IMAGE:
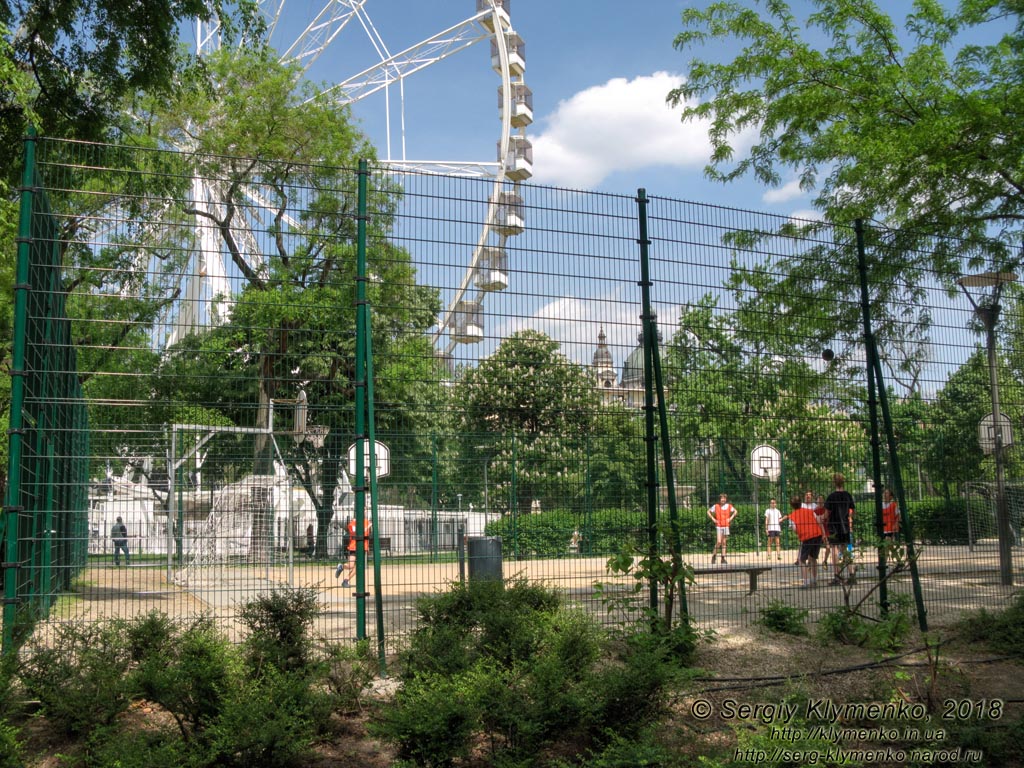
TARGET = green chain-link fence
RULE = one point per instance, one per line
(191, 365)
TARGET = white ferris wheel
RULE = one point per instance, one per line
(391, 72)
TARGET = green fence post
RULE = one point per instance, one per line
(371, 424)
(433, 502)
(9, 531)
(894, 463)
(360, 414)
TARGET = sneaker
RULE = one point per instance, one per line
(713, 559)
(338, 570)
(836, 581)
(723, 560)
(344, 583)
(806, 584)
(778, 557)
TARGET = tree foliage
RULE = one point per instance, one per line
(72, 68)
(539, 405)
(734, 382)
(953, 455)
(913, 130)
(906, 126)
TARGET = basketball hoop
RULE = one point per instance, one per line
(766, 463)
(316, 435)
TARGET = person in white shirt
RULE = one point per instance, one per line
(773, 527)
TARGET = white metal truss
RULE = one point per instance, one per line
(208, 285)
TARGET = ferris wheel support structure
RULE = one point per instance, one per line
(491, 21)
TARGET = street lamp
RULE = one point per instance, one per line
(987, 312)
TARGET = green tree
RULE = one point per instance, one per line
(953, 455)
(735, 382)
(71, 68)
(538, 405)
(912, 137)
(281, 168)
(902, 125)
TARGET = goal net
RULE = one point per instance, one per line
(982, 528)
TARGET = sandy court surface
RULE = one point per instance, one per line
(953, 579)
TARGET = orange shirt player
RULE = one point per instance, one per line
(721, 515)
(890, 515)
(811, 533)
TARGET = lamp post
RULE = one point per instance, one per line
(987, 312)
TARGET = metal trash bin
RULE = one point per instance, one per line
(484, 555)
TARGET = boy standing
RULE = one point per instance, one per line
(773, 527)
(721, 515)
(839, 509)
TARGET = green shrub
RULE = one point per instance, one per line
(477, 619)
(639, 751)
(150, 635)
(81, 675)
(547, 534)
(270, 721)
(524, 674)
(349, 670)
(186, 671)
(117, 747)
(279, 625)
(779, 616)
(1000, 630)
(628, 692)
(937, 520)
(885, 634)
(10, 747)
(432, 719)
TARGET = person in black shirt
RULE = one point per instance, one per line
(839, 510)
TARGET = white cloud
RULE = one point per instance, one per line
(785, 193)
(575, 323)
(805, 214)
(623, 125)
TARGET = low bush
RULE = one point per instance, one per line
(279, 626)
(884, 634)
(349, 670)
(937, 520)
(10, 747)
(271, 721)
(80, 675)
(432, 719)
(118, 747)
(1001, 630)
(476, 619)
(526, 673)
(186, 670)
(783, 618)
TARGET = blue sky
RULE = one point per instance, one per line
(599, 71)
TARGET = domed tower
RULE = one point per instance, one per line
(631, 383)
(604, 368)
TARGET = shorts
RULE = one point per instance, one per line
(774, 534)
(809, 549)
(889, 535)
(722, 530)
(838, 535)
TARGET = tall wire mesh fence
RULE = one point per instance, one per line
(203, 378)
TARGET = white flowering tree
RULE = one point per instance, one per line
(536, 407)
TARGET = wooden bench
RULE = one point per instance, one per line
(753, 571)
